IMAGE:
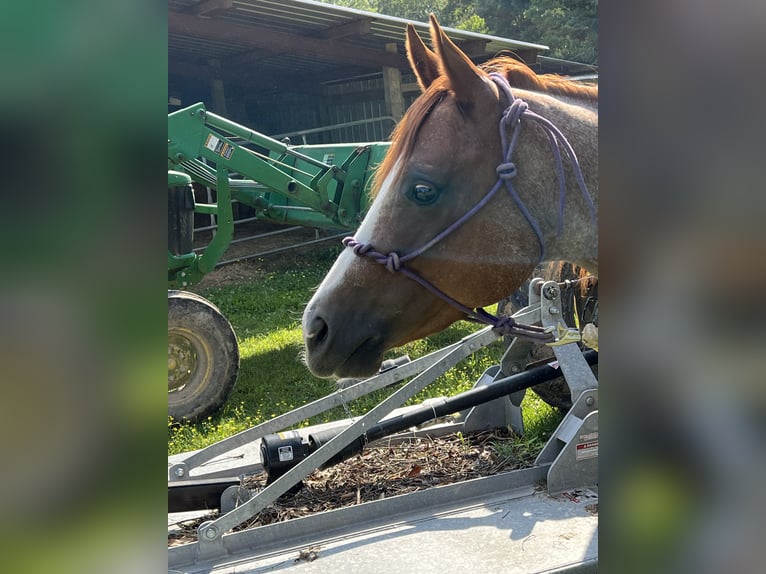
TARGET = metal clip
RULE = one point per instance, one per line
(563, 336)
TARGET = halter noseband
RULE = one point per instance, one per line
(506, 170)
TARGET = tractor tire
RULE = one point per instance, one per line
(203, 357)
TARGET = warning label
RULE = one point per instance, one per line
(211, 142)
(285, 453)
(222, 148)
(585, 450)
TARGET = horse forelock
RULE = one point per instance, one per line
(405, 133)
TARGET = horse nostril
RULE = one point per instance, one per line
(318, 330)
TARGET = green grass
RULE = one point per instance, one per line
(272, 380)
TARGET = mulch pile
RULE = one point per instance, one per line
(380, 472)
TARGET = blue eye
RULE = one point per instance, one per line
(423, 194)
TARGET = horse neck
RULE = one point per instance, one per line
(577, 241)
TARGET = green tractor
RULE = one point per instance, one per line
(320, 186)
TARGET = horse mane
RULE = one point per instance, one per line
(519, 76)
(564, 271)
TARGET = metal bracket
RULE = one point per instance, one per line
(233, 497)
(572, 451)
(578, 374)
(501, 412)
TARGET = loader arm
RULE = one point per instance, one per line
(323, 186)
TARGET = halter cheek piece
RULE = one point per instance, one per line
(506, 171)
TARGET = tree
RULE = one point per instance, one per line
(451, 13)
(366, 5)
(568, 27)
(507, 18)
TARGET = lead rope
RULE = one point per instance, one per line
(504, 326)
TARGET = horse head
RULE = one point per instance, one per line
(442, 236)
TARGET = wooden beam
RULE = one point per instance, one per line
(392, 87)
(473, 47)
(529, 57)
(248, 57)
(359, 27)
(411, 87)
(217, 93)
(282, 42)
(243, 76)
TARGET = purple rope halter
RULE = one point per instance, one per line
(511, 118)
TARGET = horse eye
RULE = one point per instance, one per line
(423, 194)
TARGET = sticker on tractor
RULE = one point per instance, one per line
(227, 150)
(222, 148)
(212, 143)
(285, 453)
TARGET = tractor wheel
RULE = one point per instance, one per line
(203, 357)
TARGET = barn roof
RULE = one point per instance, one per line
(308, 40)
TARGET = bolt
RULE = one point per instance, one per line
(589, 401)
(553, 310)
(179, 472)
(515, 368)
(551, 292)
(211, 533)
(184, 284)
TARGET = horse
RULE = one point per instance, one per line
(454, 224)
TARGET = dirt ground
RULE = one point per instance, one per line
(382, 471)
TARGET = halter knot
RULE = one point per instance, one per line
(506, 170)
(504, 326)
(512, 114)
(358, 247)
(392, 262)
(507, 326)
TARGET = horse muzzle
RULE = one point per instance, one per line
(343, 352)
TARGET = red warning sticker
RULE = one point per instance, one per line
(585, 450)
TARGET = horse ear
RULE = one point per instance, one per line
(467, 81)
(424, 62)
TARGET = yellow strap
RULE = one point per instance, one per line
(564, 336)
